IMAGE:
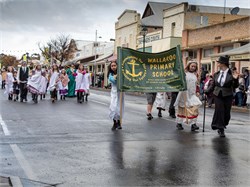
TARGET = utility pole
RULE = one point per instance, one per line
(224, 15)
(95, 45)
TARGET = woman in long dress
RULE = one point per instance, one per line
(187, 101)
(72, 83)
(114, 108)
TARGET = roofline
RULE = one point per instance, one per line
(127, 10)
(222, 23)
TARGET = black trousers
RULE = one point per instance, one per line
(23, 90)
(171, 109)
(222, 112)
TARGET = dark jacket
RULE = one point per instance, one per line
(23, 76)
(227, 89)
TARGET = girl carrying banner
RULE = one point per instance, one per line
(187, 101)
(114, 108)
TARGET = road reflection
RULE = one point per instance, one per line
(117, 150)
(223, 170)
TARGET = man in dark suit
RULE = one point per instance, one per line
(23, 75)
(222, 86)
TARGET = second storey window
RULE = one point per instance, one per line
(207, 52)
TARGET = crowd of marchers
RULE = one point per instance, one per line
(68, 81)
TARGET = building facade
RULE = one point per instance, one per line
(218, 38)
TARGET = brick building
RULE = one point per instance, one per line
(202, 43)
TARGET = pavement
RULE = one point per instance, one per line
(234, 108)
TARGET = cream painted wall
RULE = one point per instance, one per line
(179, 25)
(127, 29)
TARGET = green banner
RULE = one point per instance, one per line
(150, 72)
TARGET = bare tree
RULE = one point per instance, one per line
(57, 49)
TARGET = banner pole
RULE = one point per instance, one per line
(204, 114)
(121, 98)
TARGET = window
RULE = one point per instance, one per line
(207, 52)
(192, 54)
(173, 29)
(226, 48)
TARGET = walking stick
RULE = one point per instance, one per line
(204, 113)
(185, 105)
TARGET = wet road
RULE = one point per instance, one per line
(70, 144)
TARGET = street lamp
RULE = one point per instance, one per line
(144, 32)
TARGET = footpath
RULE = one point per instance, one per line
(234, 108)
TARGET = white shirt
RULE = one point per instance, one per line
(224, 76)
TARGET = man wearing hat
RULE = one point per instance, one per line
(23, 74)
(222, 86)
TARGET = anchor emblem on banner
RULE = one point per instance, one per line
(133, 74)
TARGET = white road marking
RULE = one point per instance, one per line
(16, 182)
(100, 103)
(23, 162)
(4, 126)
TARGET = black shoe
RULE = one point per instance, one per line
(114, 126)
(149, 116)
(194, 127)
(172, 116)
(159, 114)
(119, 125)
(26, 99)
(179, 126)
(21, 100)
(221, 133)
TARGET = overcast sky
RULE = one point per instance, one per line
(24, 23)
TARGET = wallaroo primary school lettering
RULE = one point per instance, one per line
(150, 72)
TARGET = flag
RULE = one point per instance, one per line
(150, 72)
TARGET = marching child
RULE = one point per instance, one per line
(53, 82)
(114, 108)
(34, 82)
(80, 86)
(63, 84)
(43, 86)
(9, 83)
(15, 86)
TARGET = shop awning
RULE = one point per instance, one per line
(240, 53)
